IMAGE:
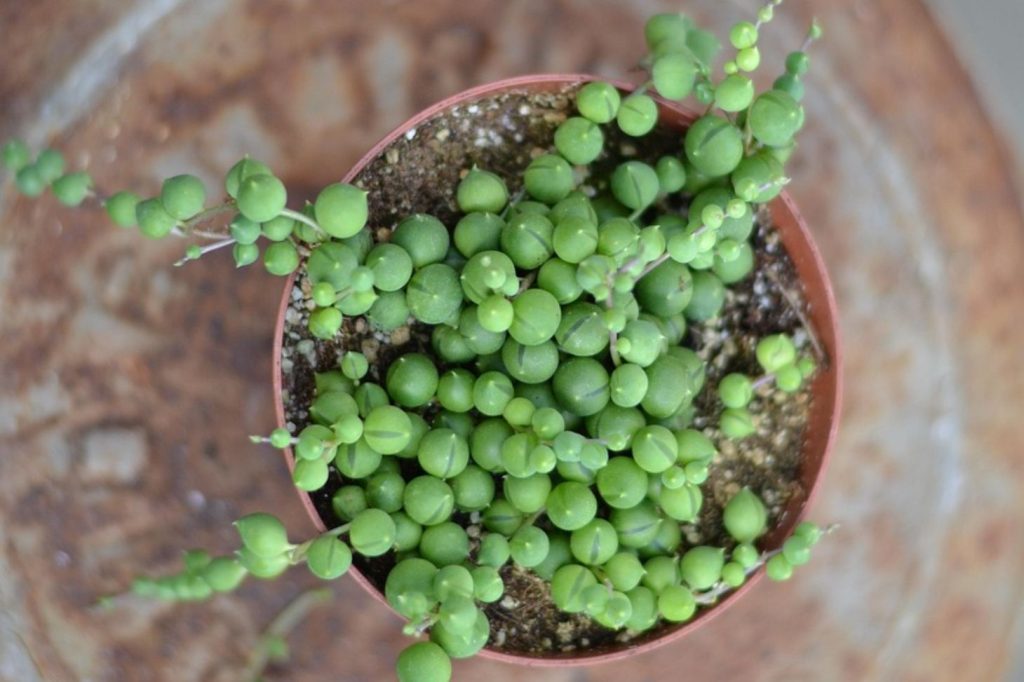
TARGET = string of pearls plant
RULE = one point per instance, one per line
(558, 401)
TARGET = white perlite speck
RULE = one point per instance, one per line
(114, 455)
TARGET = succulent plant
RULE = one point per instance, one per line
(555, 402)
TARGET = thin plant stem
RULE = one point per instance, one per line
(512, 203)
(179, 232)
(771, 4)
(190, 227)
(781, 182)
(96, 196)
(748, 136)
(207, 235)
(335, 532)
(809, 40)
(343, 294)
(652, 265)
(424, 625)
(299, 552)
(711, 595)
(266, 439)
(283, 624)
(207, 214)
(819, 349)
(205, 250)
(628, 265)
(613, 336)
(527, 281)
(532, 518)
(305, 220)
(109, 602)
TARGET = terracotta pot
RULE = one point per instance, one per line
(826, 387)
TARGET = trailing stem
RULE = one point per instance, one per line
(272, 642)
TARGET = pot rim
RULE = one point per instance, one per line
(828, 386)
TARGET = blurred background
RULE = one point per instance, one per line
(127, 387)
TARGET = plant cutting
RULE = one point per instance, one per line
(554, 404)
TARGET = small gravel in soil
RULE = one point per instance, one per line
(418, 173)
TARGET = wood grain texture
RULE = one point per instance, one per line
(127, 387)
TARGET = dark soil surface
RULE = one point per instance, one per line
(419, 173)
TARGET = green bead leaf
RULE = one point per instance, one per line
(673, 74)
(579, 140)
(183, 196)
(745, 517)
(261, 197)
(483, 191)
(341, 210)
(263, 534)
(424, 662)
(328, 558)
(72, 188)
(598, 101)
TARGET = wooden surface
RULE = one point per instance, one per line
(127, 387)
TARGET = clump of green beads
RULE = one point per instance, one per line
(555, 408)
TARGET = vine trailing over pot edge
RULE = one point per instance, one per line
(571, 308)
